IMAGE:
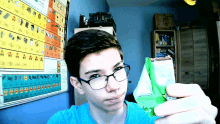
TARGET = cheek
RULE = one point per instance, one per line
(95, 95)
(124, 85)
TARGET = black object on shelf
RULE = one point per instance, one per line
(101, 19)
(83, 22)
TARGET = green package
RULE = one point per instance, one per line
(159, 91)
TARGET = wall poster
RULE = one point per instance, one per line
(32, 38)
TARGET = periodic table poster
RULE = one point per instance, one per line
(32, 39)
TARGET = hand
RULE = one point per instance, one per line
(194, 107)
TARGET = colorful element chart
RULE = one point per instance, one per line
(31, 50)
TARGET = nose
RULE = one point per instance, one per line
(112, 84)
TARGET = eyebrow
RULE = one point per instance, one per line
(98, 70)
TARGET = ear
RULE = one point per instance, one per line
(76, 84)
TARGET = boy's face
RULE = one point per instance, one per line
(104, 63)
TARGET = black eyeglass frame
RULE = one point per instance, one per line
(88, 81)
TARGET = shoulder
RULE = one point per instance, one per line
(136, 114)
(68, 116)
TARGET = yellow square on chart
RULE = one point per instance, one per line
(5, 19)
(59, 7)
(32, 30)
(10, 40)
(19, 41)
(42, 34)
(3, 41)
(55, 5)
(37, 47)
(2, 3)
(25, 28)
(13, 24)
(15, 6)
(20, 26)
(24, 61)
(41, 65)
(29, 12)
(62, 21)
(44, 21)
(38, 19)
(64, 11)
(25, 43)
(34, 15)
(10, 58)
(23, 10)
(62, 42)
(41, 48)
(2, 58)
(30, 61)
(57, 18)
(18, 60)
(31, 46)
(8, 5)
(36, 64)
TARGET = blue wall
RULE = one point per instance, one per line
(38, 112)
(134, 27)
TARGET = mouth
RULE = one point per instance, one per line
(115, 99)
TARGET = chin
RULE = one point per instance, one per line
(116, 106)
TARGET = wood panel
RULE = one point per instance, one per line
(200, 57)
(187, 60)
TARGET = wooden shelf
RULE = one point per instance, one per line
(165, 46)
(171, 33)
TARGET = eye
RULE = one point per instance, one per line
(118, 68)
(94, 76)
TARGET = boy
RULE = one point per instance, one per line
(95, 60)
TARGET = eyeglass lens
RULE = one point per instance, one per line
(120, 75)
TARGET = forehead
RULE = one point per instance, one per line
(102, 60)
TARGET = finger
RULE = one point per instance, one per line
(183, 90)
(198, 116)
(183, 105)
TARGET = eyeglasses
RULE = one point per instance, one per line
(98, 82)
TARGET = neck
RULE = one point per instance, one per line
(104, 117)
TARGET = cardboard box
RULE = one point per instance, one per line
(164, 22)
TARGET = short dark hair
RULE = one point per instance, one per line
(86, 42)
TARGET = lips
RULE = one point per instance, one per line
(115, 99)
